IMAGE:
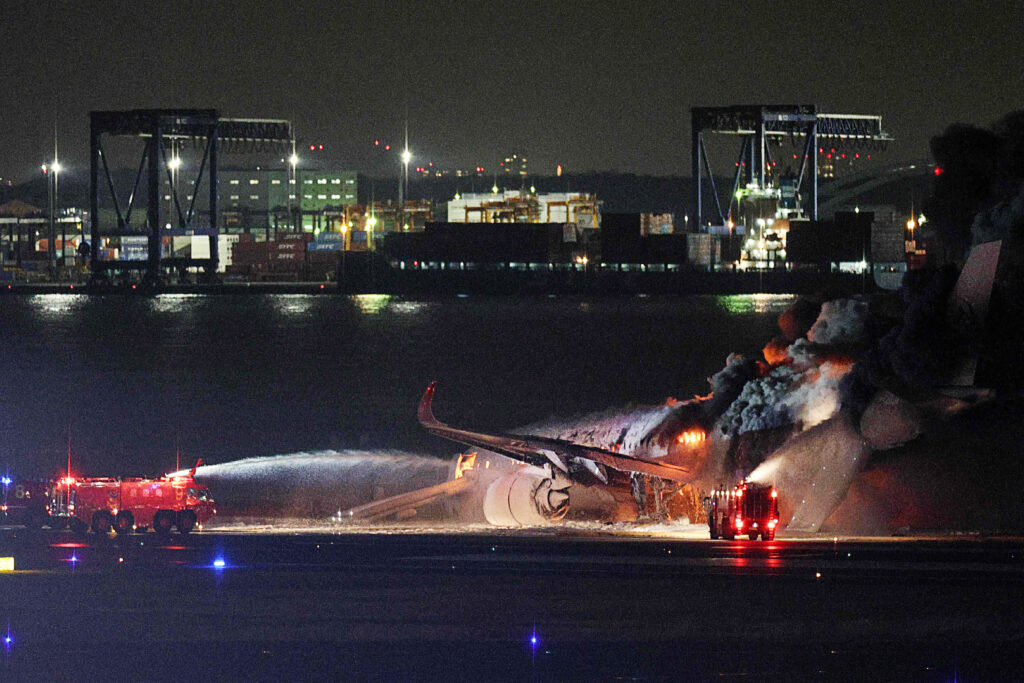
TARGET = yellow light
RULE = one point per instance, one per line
(911, 224)
(6, 564)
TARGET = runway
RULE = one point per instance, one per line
(391, 603)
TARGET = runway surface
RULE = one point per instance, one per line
(301, 602)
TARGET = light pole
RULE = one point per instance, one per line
(174, 163)
(51, 171)
(406, 158)
(293, 186)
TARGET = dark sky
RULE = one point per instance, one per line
(594, 86)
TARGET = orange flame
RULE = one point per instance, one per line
(692, 437)
(467, 461)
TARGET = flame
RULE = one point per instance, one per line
(467, 461)
(692, 437)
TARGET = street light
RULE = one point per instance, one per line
(51, 171)
(293, 186)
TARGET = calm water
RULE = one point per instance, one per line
(225, 377)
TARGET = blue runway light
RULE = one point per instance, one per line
(74, 558)
(219, 563)
(6, 481)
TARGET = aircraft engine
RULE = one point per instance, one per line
(527, 497)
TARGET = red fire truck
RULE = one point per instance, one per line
(32, 502)
(748, 509)
(127, 505)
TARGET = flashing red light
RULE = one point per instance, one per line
(869, 156)
(794, 156)
(376, 143)
(939, 170)
(430, 163)
(844, 156)
(856, 156)
(737, 164)
(387, 148)
(322, 286)
(833, 150)
(133, 286)
(821, 150)
(312, 147)
(775, 494)
(828, 156)
(739, 522)
(320, 147)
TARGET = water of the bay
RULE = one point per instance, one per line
(132, 379)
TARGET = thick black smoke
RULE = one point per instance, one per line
(980, 182)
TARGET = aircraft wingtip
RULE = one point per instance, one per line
(426, 412)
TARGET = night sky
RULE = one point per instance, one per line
(592, 86)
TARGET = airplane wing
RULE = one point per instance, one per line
(540, 450)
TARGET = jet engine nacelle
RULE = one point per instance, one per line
(527, 497)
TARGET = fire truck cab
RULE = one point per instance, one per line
(32, 503)
(127, 505)
(748, 509)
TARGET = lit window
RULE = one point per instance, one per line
(335, 181)
(235, 181)
(291, 196)
(307, 196)
(235, 197)
(307, 181)
(350, 181)
(321, 181)
(321, 196)
(254, 196)
(335, 196)
(254, 181)
(275, 182)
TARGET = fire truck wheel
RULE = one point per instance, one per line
(101, 522)
(186, 521)
(124, 522)
(768, 536)
(58, 523)
(162, 522)
(729, 535)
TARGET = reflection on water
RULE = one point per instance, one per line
(174, 303)
(372, 304)
(293, 304)
(408, 307)
(755, 303)
(56, 305)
